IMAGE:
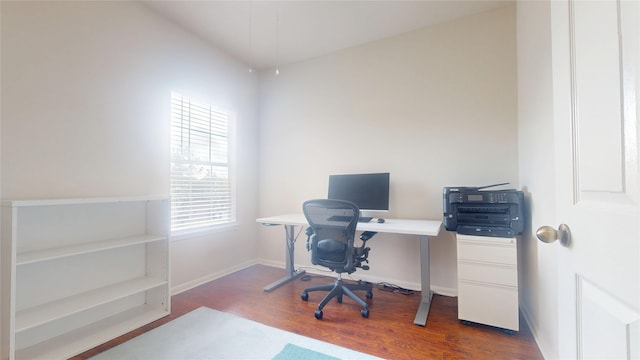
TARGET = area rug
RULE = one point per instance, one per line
(210, 334)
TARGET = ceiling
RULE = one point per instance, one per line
(267, 34)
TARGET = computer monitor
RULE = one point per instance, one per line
(369, 191)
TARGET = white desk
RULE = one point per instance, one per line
(422, 228)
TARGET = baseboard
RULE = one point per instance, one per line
(444, 291)
(210, 277)
(534, 331)
(272, 263)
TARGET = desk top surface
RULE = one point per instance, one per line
(396, 226)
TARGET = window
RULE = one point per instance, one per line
(201, 187)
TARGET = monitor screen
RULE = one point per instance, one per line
(368, 191)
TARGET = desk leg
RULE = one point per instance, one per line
(425, 280)
(291, 272)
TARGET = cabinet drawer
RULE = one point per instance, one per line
(488, 273)
(500, 252)
(490, 305)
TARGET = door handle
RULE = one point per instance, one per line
(548, 234)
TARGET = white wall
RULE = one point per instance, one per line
(85, 112)
(537, 261)
(435, 107)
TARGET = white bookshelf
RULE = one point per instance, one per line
(79, 272)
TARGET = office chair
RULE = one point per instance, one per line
(330, 238)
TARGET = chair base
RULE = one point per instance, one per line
(337, 290)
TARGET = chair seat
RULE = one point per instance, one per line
(331, 250)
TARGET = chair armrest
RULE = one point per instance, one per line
(366, 235)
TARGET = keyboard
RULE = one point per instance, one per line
(362, 219)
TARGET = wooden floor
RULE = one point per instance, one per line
(388, 333)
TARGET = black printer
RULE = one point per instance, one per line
(476, 211)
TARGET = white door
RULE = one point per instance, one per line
(595, 84)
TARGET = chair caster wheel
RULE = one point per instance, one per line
(339, 299)
(369, 295)
(304, 296)
(318, 314)
(365, 313)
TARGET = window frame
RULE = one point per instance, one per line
(208, 227)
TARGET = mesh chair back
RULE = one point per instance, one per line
(334, 225)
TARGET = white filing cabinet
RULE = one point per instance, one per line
(79, 272)
(488, 281)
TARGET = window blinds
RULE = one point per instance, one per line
(200, 185)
